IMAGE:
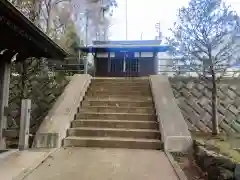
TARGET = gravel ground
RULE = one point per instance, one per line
(189, 167)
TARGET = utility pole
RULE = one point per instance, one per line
(86, 42)
(86, 33)
(126, 19)
(141, 36)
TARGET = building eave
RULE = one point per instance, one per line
(19, 34)
(117, 48)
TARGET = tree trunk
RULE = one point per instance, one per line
(49, 18)
(34, 14)
(215, 127)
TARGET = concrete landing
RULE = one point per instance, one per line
(104, 164)
(18, 164)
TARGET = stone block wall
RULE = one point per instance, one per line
(216, 166)
(43, 93)
(194, 99)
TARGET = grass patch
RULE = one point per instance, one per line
(226, 145)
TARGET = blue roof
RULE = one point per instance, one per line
(128, 42)
(135, 48)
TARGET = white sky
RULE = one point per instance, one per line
(143, 14)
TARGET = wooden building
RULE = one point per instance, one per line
(125, 58)
(20, 39)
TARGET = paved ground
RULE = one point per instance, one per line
(17, 164)
(104, 164)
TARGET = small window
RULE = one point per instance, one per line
(146, 54)
(112, 54)
(136, 54)
(102, 55)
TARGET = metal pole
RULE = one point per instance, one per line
(79, 62)
(126, 19)
(86, 33)
(86, 58)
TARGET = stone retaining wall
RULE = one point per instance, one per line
(194, 99)
(217, 167)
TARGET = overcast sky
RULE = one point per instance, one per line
(143, 14)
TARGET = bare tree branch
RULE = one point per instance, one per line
(204, 35)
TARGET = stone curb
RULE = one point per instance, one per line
(54, 126)
(174, 129)
(179, 172)
(34, 166)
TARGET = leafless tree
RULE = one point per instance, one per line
(205, 37)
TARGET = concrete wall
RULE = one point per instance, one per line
(54, 127)
(174, 130)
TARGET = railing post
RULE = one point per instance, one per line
(24, 124)
(86, 65)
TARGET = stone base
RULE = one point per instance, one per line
(48, 140)
(181, 144)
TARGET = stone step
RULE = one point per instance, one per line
(119, 88)
(117, 103)
(115, 109)
(140, 83)
(110, 142)
(116, 116)
(114, 132)
(116, 82)
(92, 92)
(121, 97)
(121, 79)
(115, 124)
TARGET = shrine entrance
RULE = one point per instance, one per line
(125, 58)
(124, 64)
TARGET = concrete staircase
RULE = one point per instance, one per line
(116, 113)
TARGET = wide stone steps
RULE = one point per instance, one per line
(115, 109)
(116, 113)
(143, 85)
(121, 79)
(117, 116)
(113, 142)
(104, 92)
(114, 132)
(117, 103)
(115, 124)
(122, 97)
(120, 88)
(119, 83)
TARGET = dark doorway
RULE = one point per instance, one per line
(124, 64)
